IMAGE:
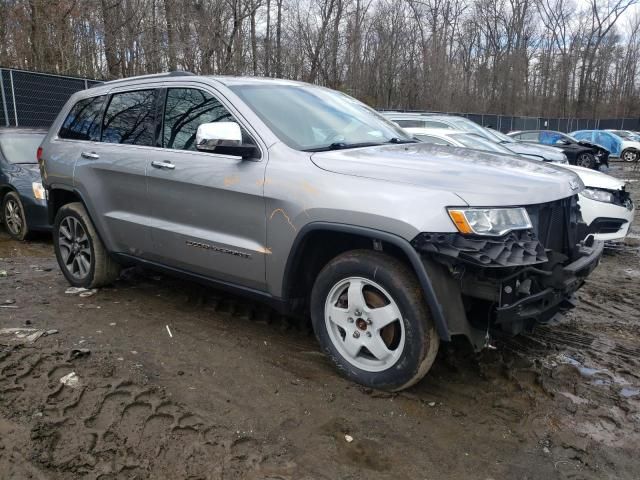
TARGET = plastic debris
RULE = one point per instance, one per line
(88, 293)
(71, 380)
(78, 353)
(169, 331)
(75, 290)
(25, 335)
(348, 438)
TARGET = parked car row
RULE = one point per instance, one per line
(311, 201)
(606, 205)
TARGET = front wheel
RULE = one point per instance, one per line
(81, 255)
(371, 319)
(586, 160)
(629, 156)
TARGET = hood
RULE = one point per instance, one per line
(479, 178)
(595, 179)
(552, 154)
(586, 143)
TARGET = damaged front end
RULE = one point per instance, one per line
(508, 283)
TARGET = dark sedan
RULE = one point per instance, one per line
(24, 205)
(578, 152)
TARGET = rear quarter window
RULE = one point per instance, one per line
(83, 121)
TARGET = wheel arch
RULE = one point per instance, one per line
(303, 264)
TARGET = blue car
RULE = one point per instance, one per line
(22, 197)
(628, 149)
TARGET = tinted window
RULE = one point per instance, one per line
(83, 121)
(20, 148)
(130, 118)
(185, 109)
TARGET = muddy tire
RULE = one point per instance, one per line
(81, 255)
(371, 319)
(586, 160)
(629, 155)
(13, 217)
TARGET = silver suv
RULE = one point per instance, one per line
(308, 199)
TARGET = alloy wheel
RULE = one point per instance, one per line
(585, 160)
(13, 217)
(630, 156)
(75, 248)
(364, 324)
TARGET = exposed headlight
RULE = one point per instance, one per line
(38, 191)
(599, 195)
(489, 221)
(564, 159)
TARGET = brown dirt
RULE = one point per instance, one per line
(239, 392)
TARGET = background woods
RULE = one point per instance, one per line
(523, 57)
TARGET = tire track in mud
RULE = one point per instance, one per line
(115, 427)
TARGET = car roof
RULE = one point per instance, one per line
(434, 131)
(227, 80)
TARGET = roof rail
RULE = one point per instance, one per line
(175, 73)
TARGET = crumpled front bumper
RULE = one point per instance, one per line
(557, 297)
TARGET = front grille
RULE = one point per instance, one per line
(556, 224)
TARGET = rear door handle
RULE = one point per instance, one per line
(164, 165)
(90, 155)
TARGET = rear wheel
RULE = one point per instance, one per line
(629, 156)
(81, 255)
(13, 216)
(371, 319)
(586, 160)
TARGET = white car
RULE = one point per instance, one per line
(606, 206)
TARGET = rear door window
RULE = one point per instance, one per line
(130, 118)
(83, 121)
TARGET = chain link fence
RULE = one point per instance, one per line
(30, 99)
(507, 123)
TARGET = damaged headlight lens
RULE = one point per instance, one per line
(599, 195)
(489, 221)
(38, 191)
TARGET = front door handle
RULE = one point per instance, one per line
(90, 155)
(167, 165)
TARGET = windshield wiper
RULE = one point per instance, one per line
(398, 141)
(341, 146)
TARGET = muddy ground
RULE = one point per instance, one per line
(239, 392)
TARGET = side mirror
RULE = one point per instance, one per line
(224, 138)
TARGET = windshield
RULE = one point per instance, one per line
(313, 118)
(471, 140)
(20, 148)
(501, 137)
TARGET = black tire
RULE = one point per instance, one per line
(13, 217)
(586, 160)
(102, 269)
(421, 340)
(629, 155)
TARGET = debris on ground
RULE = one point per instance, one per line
(71, 380)
(348, 438)
(79, 353)
(25, 335)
